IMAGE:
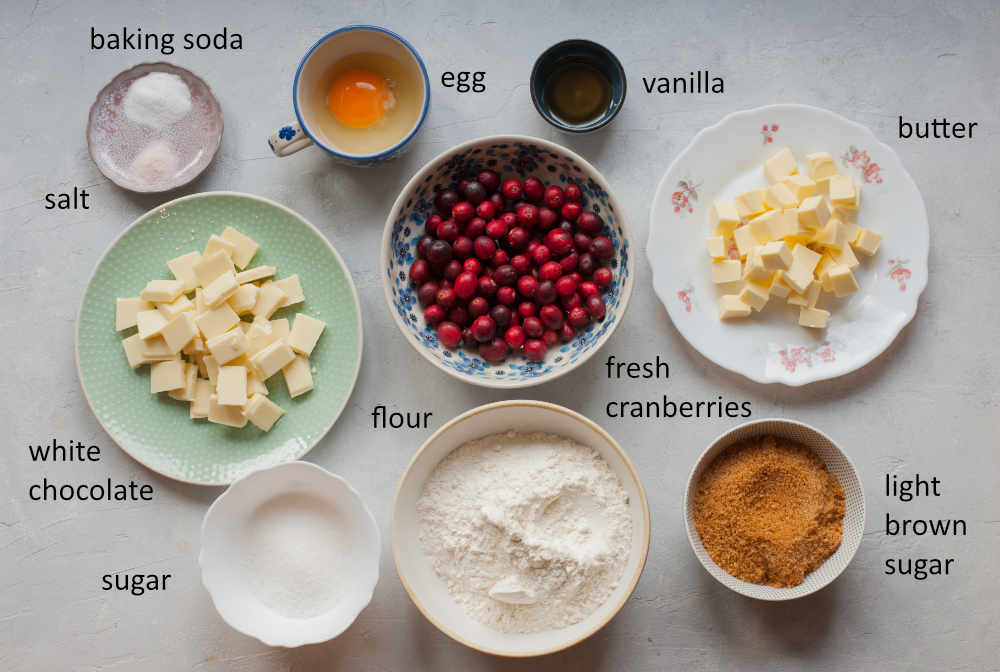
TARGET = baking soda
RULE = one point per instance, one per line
(157, 100)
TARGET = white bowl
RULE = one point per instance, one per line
(509, 155)
(224, 550)
(430, 593)
(837, 463)
(724, 160)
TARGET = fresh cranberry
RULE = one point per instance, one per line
(493, 352)
(445, 283)
(497, 200)
(462, 183)
(445, 200)
(489, 179)
(448, 230)
(427, 294)
(545, 293)
(473, 192)
(462, 213)
(571, 211)
(541, 254)
(515, 337)
(526, 286)
(434, 314)
(565, 286)
(484, 328)
(510, 219)
(527, 216)
(571, 301)
(460, 316)
(551, 316)
(573, 192)
(446, 298)
(533, 326)
(505, 275)
(547, 218)
(462, 247)
(511, 189)
(587, 263)
(578, 317)
(590, 223)
(507, 295)
(569, 262)
(502, 315)
(521, 263)
(602, 276)
(487, 286)
(582, 241)
(550, 336)
(468, 340)
(602, 247)
(577, 277)
(484, 247)
(475, 228)
(485, 210)
(424, 245)
(595, 306)
(478, 306)
(515, 320)
(526, 309)
(472, 265)
(466, 285)
(566, 333)
(554, 197)
(589, 288)
(550, 270)
(534, 190)
(567, 226)
(534, 350)
(439, 252)
(420, 271)
(496, 229)
(499, 258)
(452, 269)
(518, 238)
(432, 224)
(559, 241)
(449, 334)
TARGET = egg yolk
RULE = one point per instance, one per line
(359, 98)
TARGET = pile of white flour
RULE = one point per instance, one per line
(530, 531)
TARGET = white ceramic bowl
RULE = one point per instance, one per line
(837, 463)
(724, 160)
(509, 155)
(224, 548)
(430, 593)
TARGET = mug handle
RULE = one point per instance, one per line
(288, 139)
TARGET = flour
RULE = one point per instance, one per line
(529, 531)
(157, 100)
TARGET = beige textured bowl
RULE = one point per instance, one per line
(837, 463)
(430, 593)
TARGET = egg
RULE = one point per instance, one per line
(360, 98)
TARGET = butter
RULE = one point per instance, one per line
(844, 193)
(842, 280)
(716, 246)
(730, 307)
(726, 270)
(867, 242)
(780, 166)
(755, 271)
(778, 286)
(801, 186)
(751, 203)
(813, 213)
(262, 412)
(723, 218)
(754, 295)
(776, 256)
(820, 165)
(244, 247)
(813, 317)
(780, 197)
(745, 239)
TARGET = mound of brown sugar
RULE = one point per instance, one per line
(768, 511)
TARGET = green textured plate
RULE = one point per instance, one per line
(155, 429)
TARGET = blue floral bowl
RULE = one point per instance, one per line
(509, 155)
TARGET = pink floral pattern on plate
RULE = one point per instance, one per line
(870, 171)
(684, 296)
(768, 131)
(899, 272)
(793, 357)
(682, 199)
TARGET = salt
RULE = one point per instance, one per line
(157, 162)
(158, 99)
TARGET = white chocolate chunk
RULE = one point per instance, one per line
(166, 376)
(150, 323)
(183, 269)
(215, 322)
(126, 311)
(228, 346)
(255, 274)
(243, 299)
(231, 388)
(244, 247)
(269, 360)
(212, 266)
(181, 304)
(161, 291)
(231, 416)
(298, 376)
(269, 299)
(220, 289)
(186, 393)
(305, 333)
(133, 351)
(202, 399)
(292, 288)
(179, 332)
(155, 349)
(262, 412)
(218, 244)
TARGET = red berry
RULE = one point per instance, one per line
(587, 263)
(445, 200)
(462, 247)
(541, 254)
(520, 263)
(462, 184)
(582, 241)
(489, 179)
(571, 301)
(589, 288)
(578, 317)
(487, 286)
(468, 339)
(462, 212)
(550, 270)
(589, 223)
(602, 276)
(505, 275)
(484, 247)
(446, 298)
(554, 197)
(427, 294)
(534, 190)
(595, 306)
(449, 334)
(466, 285)
(573, 192)
(502, 315)
(432, 224)
(485, 210)
(559, 241)
(448, 230)
(510, 219)
(569, 262)
(496, 229)
(511, 189)
(459, 315)
(499, 258)
(571, 211)
(526, 309)
(547, 218)
(518, 238)
(550, 336)
(484, 328)
(424, 245)
(602, 247)
(545, 293)
(478, 306)
(526, 286)
(494, 352)
(533, 326)
(527, 216)
(566, 333)
(507, 296)
(475, 228)
(472, 265)
(565, 286)
(515, 337)
(551, 317)
(420, 272)
(498, 201)
(534, 350)
(577, 278)
(434, 314)
(452, 269)
(473, 192)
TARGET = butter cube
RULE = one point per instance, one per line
(262, 412)
(150, 323)
(179, 332)
(801, 186)
(844, 193)
(166, 376)
(776, 256)
(813, 317)
(745, 239)
(846, 257)
(244, 247)
(161, 291)
(820, 165)
(778, 286)
(202, 399)
(842, 280)
(243, 299)
(754, 295)
(850, 229)
(780, 166)
(716, 246)
(730, 307)
(723, 217)
(298, 377)
(755, 271)
(813, 213)
(784, 224)
(219, 244)
(220, 289)
(231, 416)
(231, 387)
(723, 270)
(779, 196)
(269, 299)
(228, 346)
(291, 287)
(269, 360)
(126, 311)
(306, 332)
(800, 274)
(751, 203)
(822, 268)
(760, 227)
(812, 295)
(867, 242)
(183, 269)
(831, 235)
(217, 321)
(823, 185)
(186, 393)
(181, 304)
(255, 274)
(212, 266)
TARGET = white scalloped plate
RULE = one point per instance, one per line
(770, 347)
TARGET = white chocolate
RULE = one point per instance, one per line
(305, 333)
(298, 376)
(244, 247)
(262, 412)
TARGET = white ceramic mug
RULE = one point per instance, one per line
(330, 49)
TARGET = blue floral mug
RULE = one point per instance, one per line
(327, 51)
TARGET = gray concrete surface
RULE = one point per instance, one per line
(930, 404)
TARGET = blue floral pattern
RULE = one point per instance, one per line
(286, 133)
(523, 160)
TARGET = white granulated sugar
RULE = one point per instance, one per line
(530, 531)
(157, 100)
(293, 555)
